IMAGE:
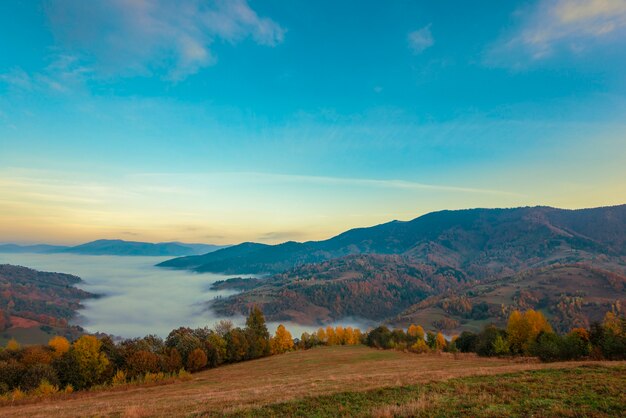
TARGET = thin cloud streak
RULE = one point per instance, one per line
(574, 26)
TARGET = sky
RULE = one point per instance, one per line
(230, 121)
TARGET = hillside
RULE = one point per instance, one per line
(37, 248)
(513, 252)
(368, 287)
(570, 295)
(31, 299)
(336, 377)
(481, 242)
(133, 248)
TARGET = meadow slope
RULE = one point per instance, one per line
(293, 377)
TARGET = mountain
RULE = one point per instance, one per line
(38, 248)
(569, 264)
(481, 242)
(120, 247)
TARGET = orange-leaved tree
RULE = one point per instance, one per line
(59, 345)
(523, 329)
(282, 341)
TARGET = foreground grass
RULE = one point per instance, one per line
(321, 376)
(582, 391)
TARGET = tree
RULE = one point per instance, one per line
(237, 346)
(215, 347)
(184, 341)
(59, 345)
(36, 374)
(5, 320)
(500, 346)
(331, 336)
(380, 338)
(612, 323)
(142, 362)
(416, 332)
(259, 336)
(523, 328)
(321, 336)
(282, 341)
(197, 360)
(440, 342)
(349, 336)
(419, 347)
(431, 340)
(467, 341)
(173, 361)
(91, 362)
(485, 344)
(13, 345)
(36, 354)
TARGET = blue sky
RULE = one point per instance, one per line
(270, 120)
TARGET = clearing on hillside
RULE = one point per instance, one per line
(292, 377)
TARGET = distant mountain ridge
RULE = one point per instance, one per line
(448, 270)
(480, 241)
(117, 247)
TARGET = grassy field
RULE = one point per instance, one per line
(332, 381)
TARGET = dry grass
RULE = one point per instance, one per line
(252, 384)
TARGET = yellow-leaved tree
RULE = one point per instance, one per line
(91, 361)
(523, 329)
(282, 341)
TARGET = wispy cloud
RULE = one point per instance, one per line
(135, 37)
(64, 74)
(550, 26)
(323, 180)
(421, 40)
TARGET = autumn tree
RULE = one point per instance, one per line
(197, 360)
(440, 342)
(331, 336)
(321, 336)
(90, 360)
(416, 331)
(36, 354)
(523, 329)
(142, 362)
(282, 341)
(59, 345)
(349, 336)
(13, 345)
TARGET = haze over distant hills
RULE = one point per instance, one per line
(531, 257)
(116, 247)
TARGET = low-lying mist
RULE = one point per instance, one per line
(138, 298)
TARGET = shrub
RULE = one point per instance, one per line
(419, 347)
(11, 373)
(119, 378)
(46, 388)
(36, 374)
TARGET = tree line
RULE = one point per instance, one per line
(527, 334)
(92, 362)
